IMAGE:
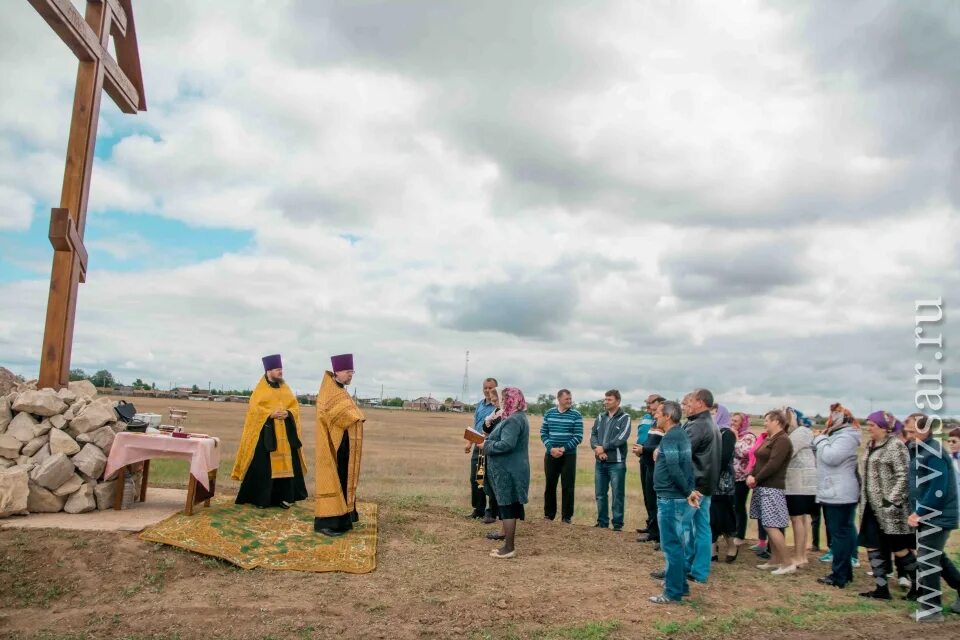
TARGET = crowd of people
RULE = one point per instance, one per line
(705, 473)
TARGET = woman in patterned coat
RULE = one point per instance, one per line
(884, 505)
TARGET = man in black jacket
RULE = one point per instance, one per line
(608, 439)
(705, 446)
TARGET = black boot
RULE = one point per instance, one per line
(882, 590)
(907, 566)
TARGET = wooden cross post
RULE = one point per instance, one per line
(88, 36)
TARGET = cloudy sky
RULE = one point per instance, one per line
(652, 196)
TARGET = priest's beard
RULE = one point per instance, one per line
(278, 380)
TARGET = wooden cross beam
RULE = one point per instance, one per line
(88, 36)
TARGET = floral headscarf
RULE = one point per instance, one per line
(513, 401)
(744, 424)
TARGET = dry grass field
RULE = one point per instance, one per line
(434, 578)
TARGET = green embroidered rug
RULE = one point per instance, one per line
(281, 539)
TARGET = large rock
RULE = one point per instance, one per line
(43, 428)
(14, 492)
(9, 446)
(60, 442)
(8, 381)
(40, 403)
(6, 415)
(33, 446)
(81, 501)
(92, 418)
(41, 455)
(22, 426)
(105, 492)
(102, 437)
(41, 500)
(68, 395)
(58, 422)
(90, 461)
(83, 388)
(53, 471)
(70, 486)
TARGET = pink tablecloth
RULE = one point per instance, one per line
(128, 448)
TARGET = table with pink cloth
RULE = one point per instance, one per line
(129, 448)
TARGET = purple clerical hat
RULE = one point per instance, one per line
(272, 362)
(342, 362)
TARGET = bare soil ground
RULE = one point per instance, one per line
(434, 577)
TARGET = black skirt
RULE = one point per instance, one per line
(872, 536)
(512, 511)
(258, 487)
(723, 517)
(801, 505)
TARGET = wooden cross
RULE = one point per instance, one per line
(88, 36)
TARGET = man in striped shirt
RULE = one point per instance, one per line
(561, 433)
(608, 439)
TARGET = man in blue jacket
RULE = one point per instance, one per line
(608, 439)
(933, 496)
(673, 481)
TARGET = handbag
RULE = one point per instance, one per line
(125, 411)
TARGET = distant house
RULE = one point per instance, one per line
(423, 404)
(454, 405)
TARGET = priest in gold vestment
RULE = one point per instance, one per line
(270, 462)
(339, 444)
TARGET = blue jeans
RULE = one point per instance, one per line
(842, 534)
(610, 475)
(674, 517)
(701, 547)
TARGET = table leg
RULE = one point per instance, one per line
(143, 482)
(191, 492)
(213, 478)
(118, 490)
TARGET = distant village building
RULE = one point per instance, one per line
(454, 405)
(423, 404)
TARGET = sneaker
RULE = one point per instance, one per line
(764, 555)
(855, 563)
(758, 547)
(658, 575)
(827, 557)
(955, 607)
(904, 582)
(618, 529)
(766, 566)
(566, 521)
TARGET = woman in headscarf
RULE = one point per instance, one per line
(508, 465)
(884, 505)
(740, 423)
(838, 490)
(801, 484)
(761, 547)
(723, 519)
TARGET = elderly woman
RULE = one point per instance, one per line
(740, 423)
(838, 490)
(768, 479)
(884, 505)
(801, 485)
(508, 465)
(723, 517)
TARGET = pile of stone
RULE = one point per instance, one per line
(53, 449)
